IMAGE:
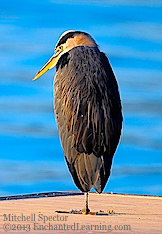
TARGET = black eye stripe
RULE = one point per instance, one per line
(70, 35)
(64, 38)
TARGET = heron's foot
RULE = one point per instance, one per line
(85, 211)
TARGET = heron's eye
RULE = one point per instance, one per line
(59, 49)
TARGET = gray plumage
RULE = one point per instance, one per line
(88, 114)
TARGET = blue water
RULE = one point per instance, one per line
(31, 158)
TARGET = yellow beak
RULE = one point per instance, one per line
(49, 65)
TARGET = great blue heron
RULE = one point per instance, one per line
(87, 109)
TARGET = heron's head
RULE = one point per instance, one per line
(66, 42)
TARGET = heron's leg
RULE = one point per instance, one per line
(86, 210)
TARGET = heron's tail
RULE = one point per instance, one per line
(104, 173)
(90, 171)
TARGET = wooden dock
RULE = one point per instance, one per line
(125, 214)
